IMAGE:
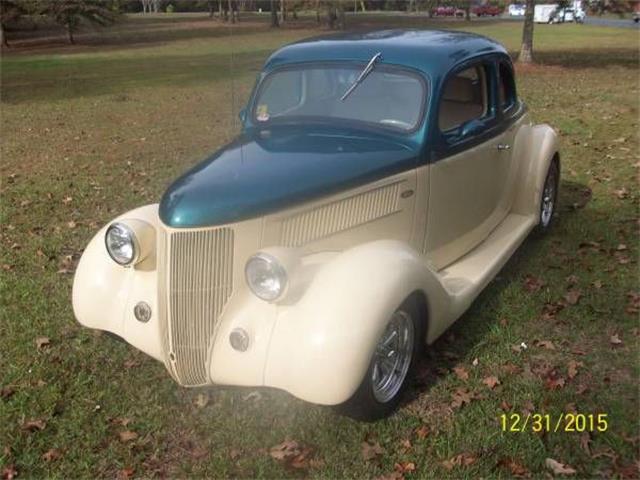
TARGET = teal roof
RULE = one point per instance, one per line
(433, 52)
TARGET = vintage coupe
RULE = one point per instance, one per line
(379, 183)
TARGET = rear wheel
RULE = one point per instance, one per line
(391, 367)
(549, 199)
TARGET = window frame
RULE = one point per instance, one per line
(510, 108)
(453, 136)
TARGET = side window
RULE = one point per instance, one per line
(464, 98)
(506, 87)
(285, 95)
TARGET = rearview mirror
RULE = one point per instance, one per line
(472, 127)
(242, 114)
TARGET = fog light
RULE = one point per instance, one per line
(142, 312)
(239, 339)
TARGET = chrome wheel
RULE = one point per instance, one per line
(548, 198)
(392, 357)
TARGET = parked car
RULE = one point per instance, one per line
(380, 181)
(517, 10)
(460, 12)
(444, 11)
(636, 16)
(487, 11)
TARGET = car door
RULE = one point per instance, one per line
(469, 174)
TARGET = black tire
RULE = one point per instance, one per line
(364, 405)
(545, 219)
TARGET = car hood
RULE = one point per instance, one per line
(265, 170)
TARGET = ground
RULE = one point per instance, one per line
(94, 130)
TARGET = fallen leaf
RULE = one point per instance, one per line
(126, 473)
(491, 382)
(234, 453)
(201, 400)
(554, 383)
(533, 284)
(67, 200)
(515, 468)
(548, 344)
(42, 342)
(461, 373)
(615, 339)
(127, 436)
(71, 224)
(51, 455)
(123, 421)
(371, 450)
(405, 467)
(422, 431)
(461, 460)
(475, 362)
(572, 296)
(6, 392)
(34, 425)
(9, 472)
(505, 406)
(558, 468)
(572, 368)
(572, 279)
(460, 397)
(597, 284)
(585, 440)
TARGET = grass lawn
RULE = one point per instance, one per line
(94, 130)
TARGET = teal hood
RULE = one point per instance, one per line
(263, 171)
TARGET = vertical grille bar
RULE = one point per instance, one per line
(196, 281)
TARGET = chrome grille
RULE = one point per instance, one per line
(197, 284)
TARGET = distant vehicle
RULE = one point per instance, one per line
(636, 17)
(517, 10)
(487, 11)
(459, 12)
(544, 13)
(443, 11)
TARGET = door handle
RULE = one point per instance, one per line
(503, 146)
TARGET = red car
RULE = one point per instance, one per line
(487, 10)
(443, 11)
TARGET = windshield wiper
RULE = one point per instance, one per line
(367, 70)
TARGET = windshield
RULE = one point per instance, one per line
(388, 97)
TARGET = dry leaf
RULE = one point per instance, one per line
(34, 425)
(475, 362)
(460, 397)
(572, 297)
(533, 284)
(548, 344)
(461, 373)
(422, 431)
(201, 400)
(6, 392)
(9, 472)
(554, 383)
(371, 450)
(127, 436)
(558, 468)
(572, 368)
(126, 473)
(585, 440)
(405, 467)
(491, 382)
(461, 460)
(42, 342)
(615, 339)
(51, 455)
(515, 468)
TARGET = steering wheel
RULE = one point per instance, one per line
(397, 123)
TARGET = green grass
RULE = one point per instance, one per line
(91, 131)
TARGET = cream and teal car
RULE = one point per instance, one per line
(379, 183)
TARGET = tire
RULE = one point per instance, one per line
(376, 398)
(549, 198)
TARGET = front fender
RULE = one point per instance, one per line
(542, 147)
(321, 347)
(104, 293)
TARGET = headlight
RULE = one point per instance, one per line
(122, 244)
(266, 277)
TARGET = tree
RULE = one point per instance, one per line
(274, 14)
(69, 13)
(526, 51)
(10, 11)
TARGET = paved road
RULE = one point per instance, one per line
(611, 22)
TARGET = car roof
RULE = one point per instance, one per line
(434, 52)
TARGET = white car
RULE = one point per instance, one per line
(517, 10)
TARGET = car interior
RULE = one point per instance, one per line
(464, 98)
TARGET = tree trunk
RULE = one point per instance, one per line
(526, 51)
(231, 12)
(210, 5)
(72, 40)
(318, 12)
(283, 11)
(467, 13)
(274, 14)
(341, 16)
(5, 42)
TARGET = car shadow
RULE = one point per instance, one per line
(473, 328)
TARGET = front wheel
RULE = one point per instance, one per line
(391, 367)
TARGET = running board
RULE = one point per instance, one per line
(468, 276)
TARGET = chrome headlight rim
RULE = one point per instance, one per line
(277, 269)
(135, 245)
